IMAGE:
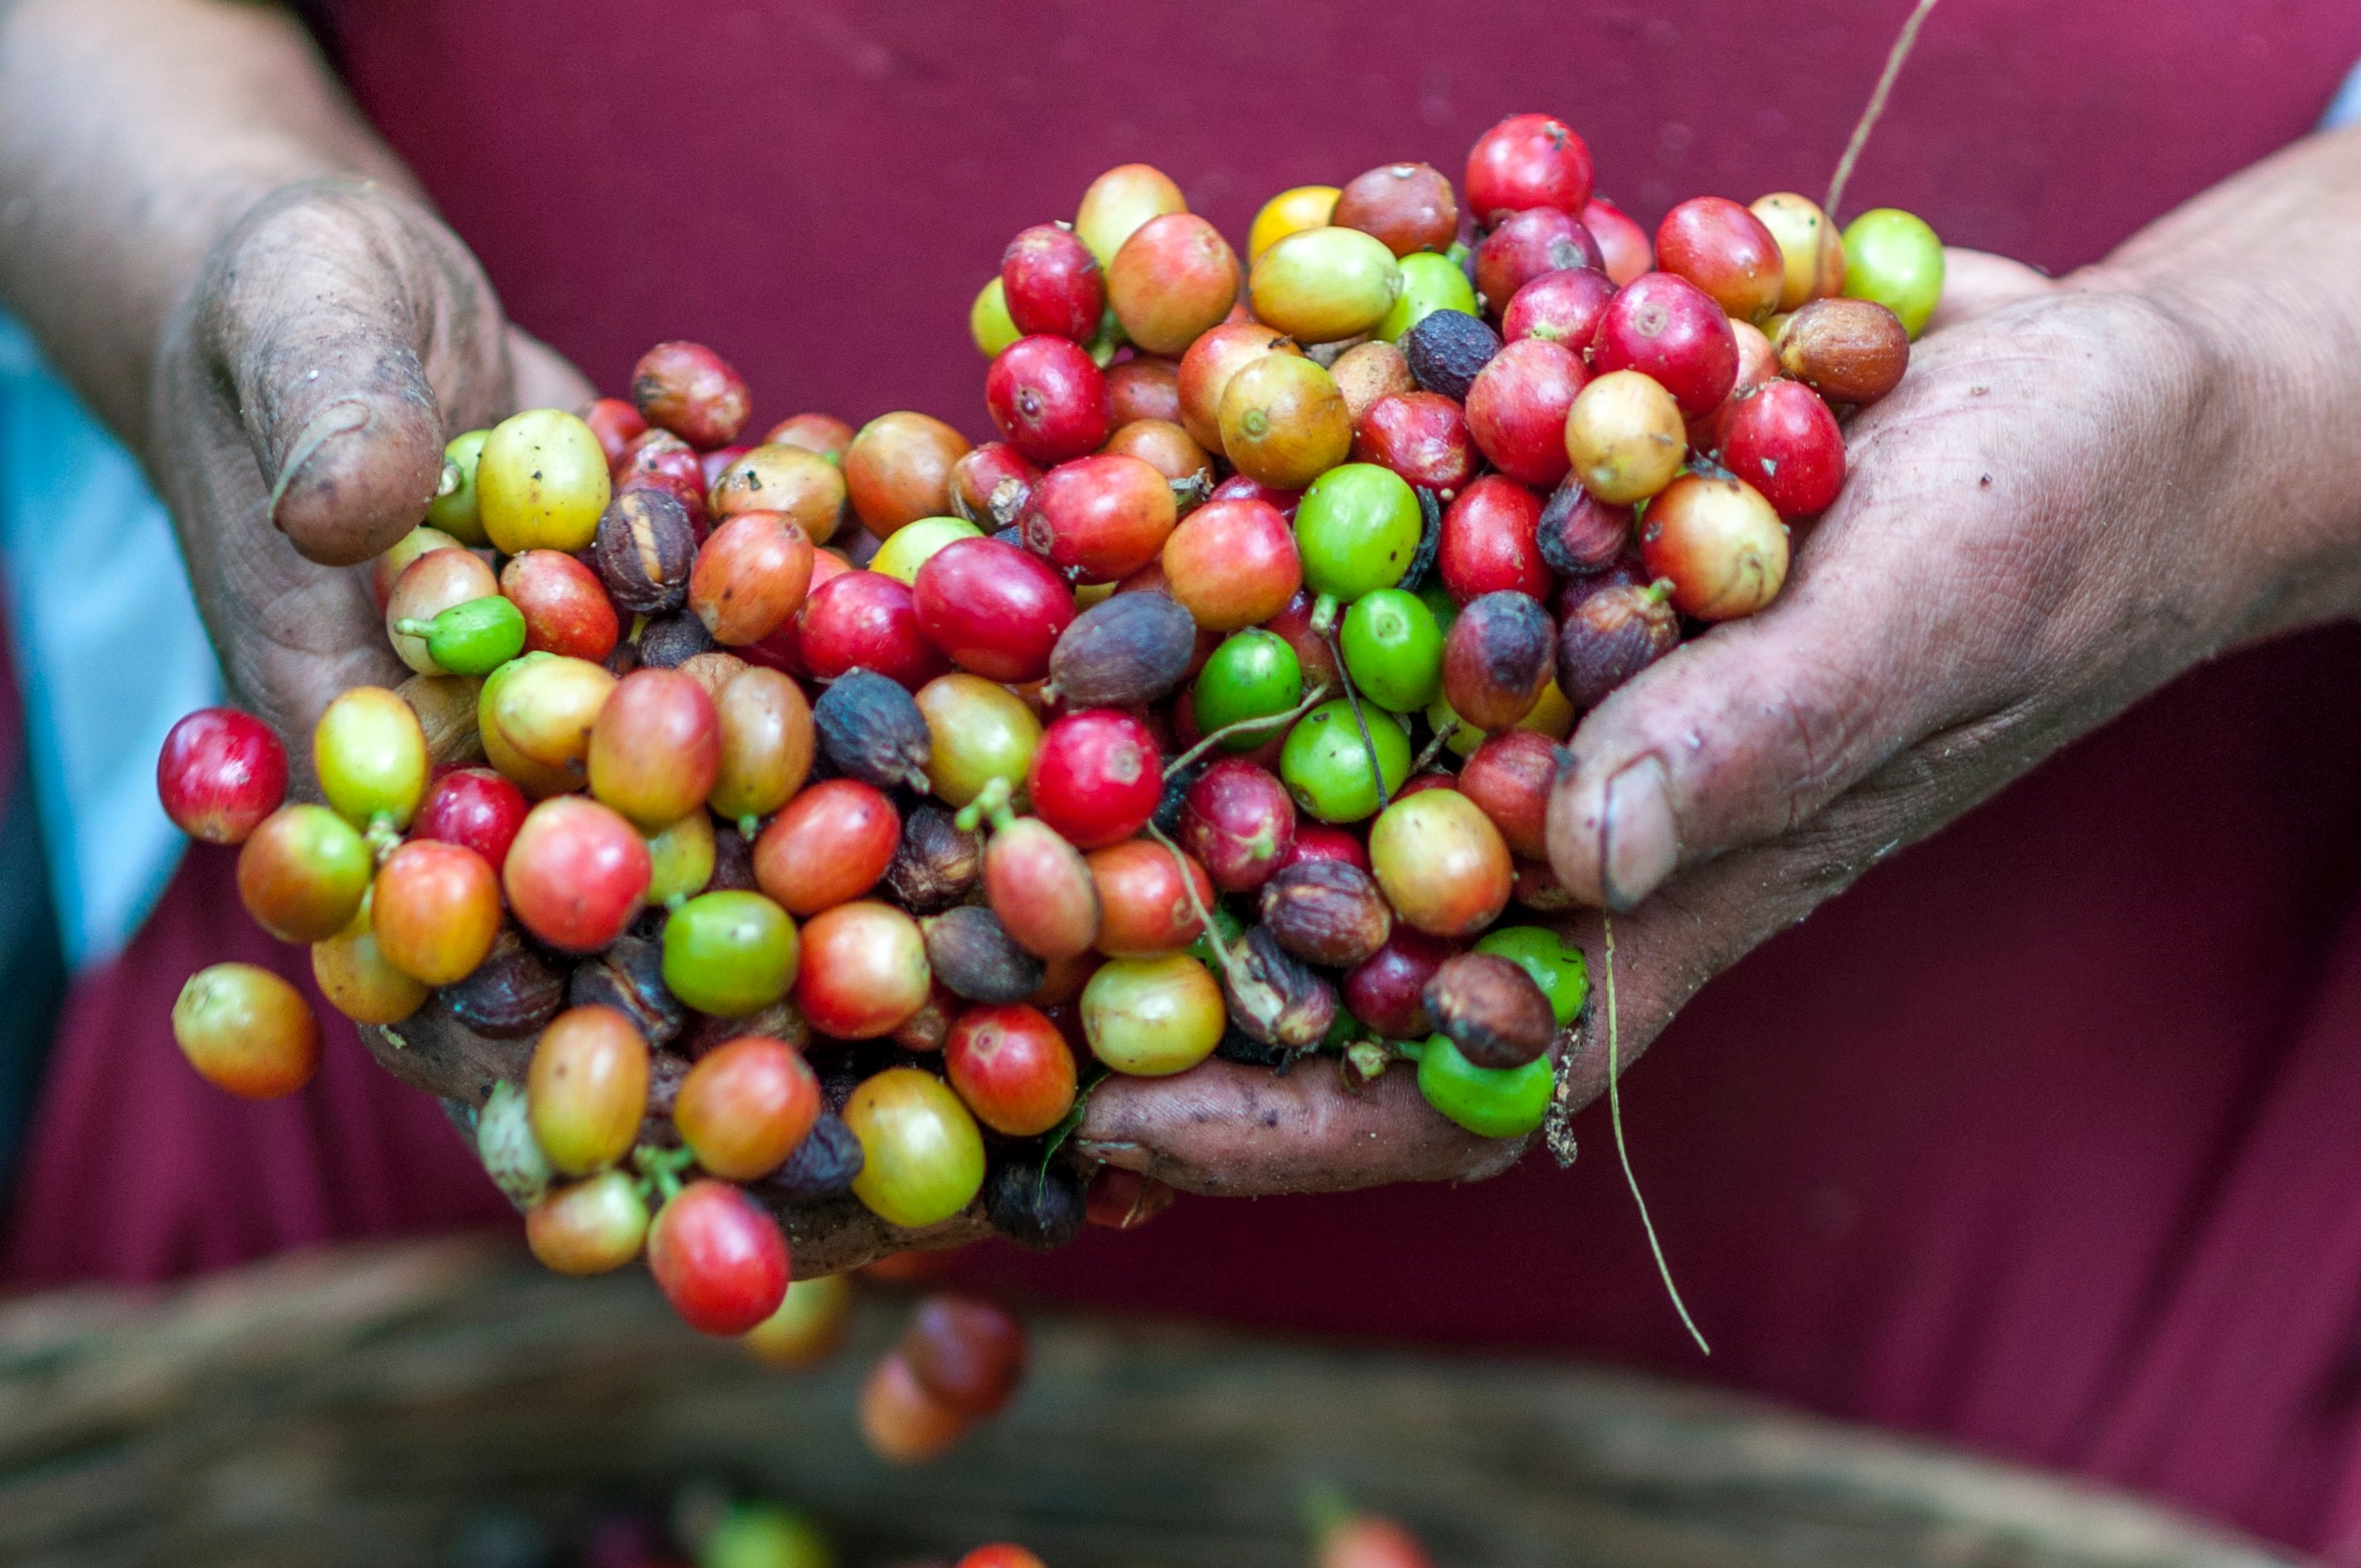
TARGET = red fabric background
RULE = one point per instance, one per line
(2041, 1139)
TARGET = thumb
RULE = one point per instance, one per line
(324, 312)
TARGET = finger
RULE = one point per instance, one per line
(1948, 578)
(1977, 283)
(326, 308)
(1239, 1131)
(545, 378)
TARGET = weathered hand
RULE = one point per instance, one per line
(338, 333)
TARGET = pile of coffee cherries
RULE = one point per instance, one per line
(1214, 709)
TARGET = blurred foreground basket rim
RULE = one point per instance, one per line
(357, 1405)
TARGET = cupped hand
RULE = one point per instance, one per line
(337, 335)
(2042, 524)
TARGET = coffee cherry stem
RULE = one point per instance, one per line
(1352, 700)
(1196, 904)
(1443, 735)
(990, 804)
(1623, 1150)
(1244, 725)
(1323, 614)
(384, 837)
(1903, 44)
(660, 1172)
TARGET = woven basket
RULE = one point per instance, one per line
(359, 1408)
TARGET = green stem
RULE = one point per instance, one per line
(1226, 731)
(1443, 734)
(1196, 904)
(410, 626)
(1623, 1150)
(660, 1172)
(1869, 116)
(1360, 720)
(991, 804)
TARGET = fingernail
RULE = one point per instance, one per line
(343, 417)
(1637, 842)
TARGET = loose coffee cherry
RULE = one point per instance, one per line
(745, 1105)
(730, 953)
(1357, 530)
(1611, 636)
(541, 483)
(370, 755)
(1369, 371)
(1527, 245)
(1144, 386)
(1327, 766)
(1325, 284)
(1443, 865)
(1811, 264)
(576, 874)
(900, 1420)
(1422, 436)
(1049, 399)
(387, 569)
(1526, 160)
(922, 1158)
(588, 1227)
(1757, 365)
(898, 470)
(975, 959)
(1133, 648)
(867, 620)
(1144, 907)
(1283, 422)
(823, 434)
(1430, 283)
(1556, 964)
(911, 548)
(1492, 1010)
(1489, 541)
(587, 1089)
(1167, 448)
(1319, 841)
(1051, 283)
(1446, 350)
(830, 846)
(1893, 257)
(246, 1030)
(1326, 912)
(864, 971)
(1623, 245)
(1517, 409)
(750, 575)
(989, 484)
(475, 808)
(993, 608)
(1509, 776)
(1040, 887)
(1096, 777)
(1393, 650)
(1175, 278)
(1490, 1103)
(1409, 206)
(302, 872)
(436, 908)
(969, 1353)
(1624, 438)
(1152, 1017)
(988, 322)
(542, 706)
(432, 584)
(565, 607)
(1564, 306)
(655, 748)
(1012, 1068)
(1254, 674)
(690, 391)
(718, 1258)
(615, 422)
(810, 1326)
(767, 741)
(803, 486)
(1782, 439)
(1205, 373)
(454, 509)
(1727, 251)
(1671, 331)
(1119, 201)
(220, 774)
(359, 981)
(1291, 212)
(1497, 659)
(1239, 823)
(980, 731)
(1849, 351)
(1231, 564)
(1719, 542)
(681, 858)
(1386, 990)
(1100, 517)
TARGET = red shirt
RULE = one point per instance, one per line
(2040, 1138)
